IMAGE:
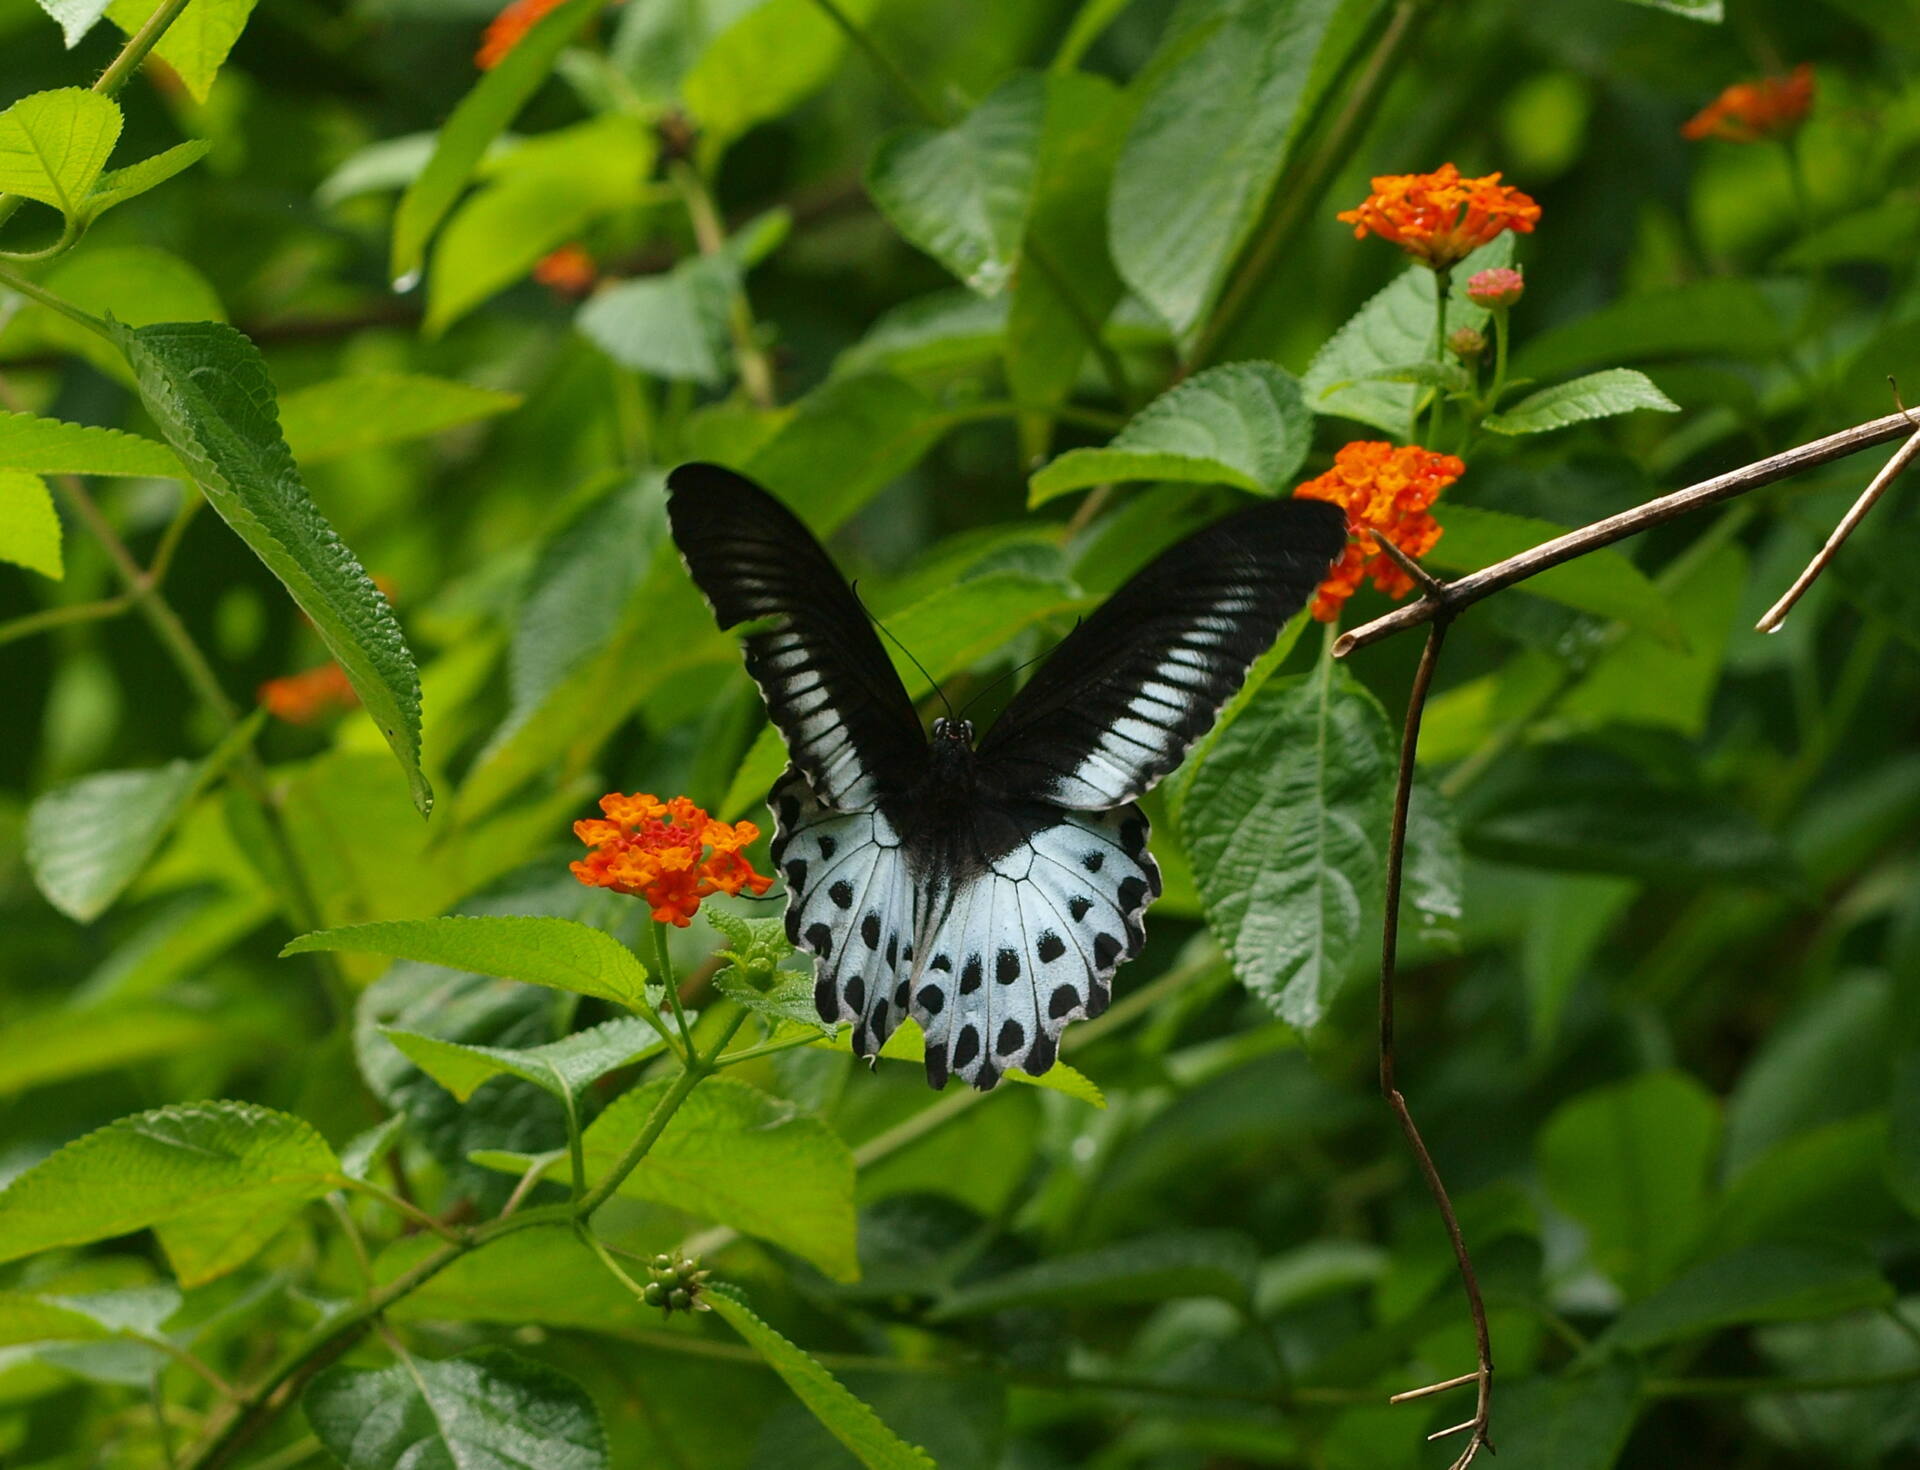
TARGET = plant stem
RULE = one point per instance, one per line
(1442, 289)
(756, 371)
(663, 958)
(59, 617)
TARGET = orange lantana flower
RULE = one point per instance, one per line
(569, 270)
(1748, 112)
(671, 853)
(507, 29)
(1385, 492)
(302, 698)
(1441, 218)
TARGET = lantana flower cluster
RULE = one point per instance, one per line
(1750, 112)
(1441, 218)
(1385, 491)
(302, 698)
(671, 853)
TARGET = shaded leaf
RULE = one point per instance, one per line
(1184, 1263)
(1574, 1421)
(772, 56)
(87, 840)
(1242, 424)
(672, 325)
(1724, 314)
(76, 1042)
(562, 1067)
(364, 410)
(1763, 1283)
(1596, 396)
(29, 525)
(117, 186)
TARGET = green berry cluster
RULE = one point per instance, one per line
(675, 1284)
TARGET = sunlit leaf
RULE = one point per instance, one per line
(29, 525)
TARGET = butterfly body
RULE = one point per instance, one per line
(988, 890)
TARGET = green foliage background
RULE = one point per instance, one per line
(1002, 295)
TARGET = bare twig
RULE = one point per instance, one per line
(1469, 589)
(1389, 1086)
(1889, 472)
(1431, 585)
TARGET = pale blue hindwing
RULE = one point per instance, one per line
(992, 969)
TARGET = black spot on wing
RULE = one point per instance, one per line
(870, 930)
(1006, 966)
(970, 975)
(1064, 1000)
(1078, 906)
(828, 846)
(1050, 947)
(819, 939)
(1012, 1037)
(966, 1048)
(841, 893)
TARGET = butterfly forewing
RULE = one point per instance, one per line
(1119, 701)
(829, 686)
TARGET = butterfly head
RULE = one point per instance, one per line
(957, 730)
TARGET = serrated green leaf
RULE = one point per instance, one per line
(787, 1000)
(364, 410)
(1450, 376)
(774, 54)
(1285, 825)
(1595, 396)
(1243, 424)
(845, 1417)
(1213, 132)
(560, 1067)
(485, 1410)
(907, 1044)
(87, 840)
(119, 185)
(475, 124)
(1395, 327)
(962, 194)
(29, 525)
(54, 447)
(1762, 1283)
(215, 1181)
(540, 951)
(197, 42)
(207, 387)
(1148, 1268)
(54, 144)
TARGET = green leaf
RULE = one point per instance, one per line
(962, 194)
(908, 1044)
(734, 1154)
(932, 333)
(1285, 824)
(1710, 11)
(1880, 234)
(117, 186)
(365, 410)
(562, 1067)
(53, 146)
(1093, 17)
(1149, 1268)
(1720, 315)
(1436, 883)
(1394, 328)
(1630, 1162)
(1634, 828)
(1763, 1283)
(766, 62)
(1215, 128)
(473, 127)
(54, 447)
(672, 325)
(1568, 916)
(1449, 376)
(1243, 424)
(1603, 582)
(553, 952)
(215, 1181)
(848, 1419)
(56, 1045)
(844, 441)
(197, 42)
(1825, 1183)
(30, 1319)
(545, 193)
(207, 387)
(1575, 1421)
(29, 525)
(1046, 332)
(1596, 396)
(87, 840)
(485, 1410)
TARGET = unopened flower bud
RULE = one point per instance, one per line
(1466, 343)
(1496, 288)
(654, 1295)
(680, 1299)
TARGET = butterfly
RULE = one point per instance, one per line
(988, 891)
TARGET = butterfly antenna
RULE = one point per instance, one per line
(980, 694)
(904, 649)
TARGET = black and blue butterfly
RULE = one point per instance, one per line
(989, 891)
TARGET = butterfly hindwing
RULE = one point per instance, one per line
(1118, 702)
(829, 686)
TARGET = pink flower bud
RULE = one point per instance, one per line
(1497, 287)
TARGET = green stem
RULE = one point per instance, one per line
(14, 281)
(60, 617)
(1499, 358)
(663, 959)
(402, 1207)
(1442, 289)
(756, 370)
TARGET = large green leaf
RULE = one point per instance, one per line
(962, 194)
(215, 1181)
(1903, 1132)
(1763, 1283)
(1596, 396)
(1394, 328)
(1285, 824)
(844, 441)
(560, 1067)
(1720, 315)
(1183, 1263)
(485, 1410)
(207, 387)
(53, 146)
(672, 325)
(87, 840)
(774, 54)
(29, 525)
(1215, 128)
(54, 447)
(1631, 1162)
(365, 410)
(555, 952)
(848, 1419)
(1242, 424)
(474, 126)
(197, 42)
